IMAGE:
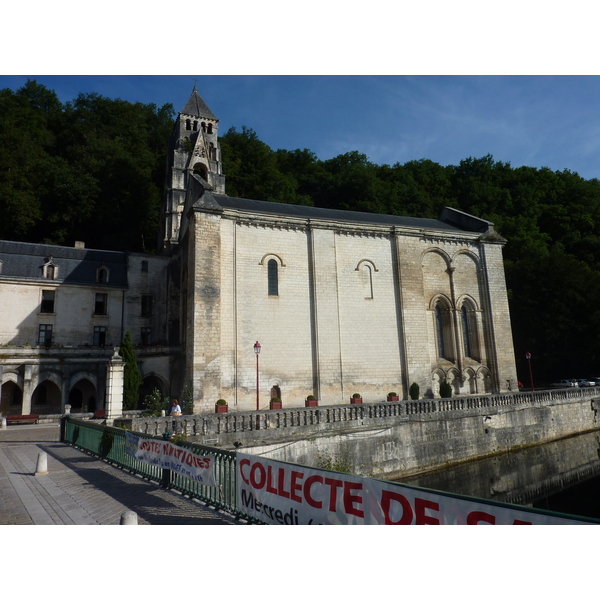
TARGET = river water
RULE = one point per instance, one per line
(561, 476)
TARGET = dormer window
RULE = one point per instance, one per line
(102, 275)
(50, 270)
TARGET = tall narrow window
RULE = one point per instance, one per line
(100, 304)
(99, 336)
(439, 329)
(188, 124)
(47, 301)
(146, 305)
(469, 332)
(45, 335)
(144, 266)
(467, 344)
(273, 278)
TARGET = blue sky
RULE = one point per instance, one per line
(551, 121)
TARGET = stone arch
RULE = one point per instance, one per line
(484, 380)
(366, 260)
(16, 378)
(470, 380)
(11, 396)
(83, 375)
(83, 393)
(271, 255)
(47, 396)
(466, 252)
(201, 169)
(150, 382)
(455, 380)
(443, 254)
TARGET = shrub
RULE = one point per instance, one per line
(356, 395)
(221, 401)
(275, 399)
(334, 462)
(187, 402)
(154, 404)
(311, 397)
(392, 393)
(414, 391)
(445, 389)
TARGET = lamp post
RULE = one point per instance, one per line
(257, 352)
(528, 357)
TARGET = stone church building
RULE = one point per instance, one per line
(340, 302)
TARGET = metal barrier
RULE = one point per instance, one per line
(108, 443)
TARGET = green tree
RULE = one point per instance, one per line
(133, 377)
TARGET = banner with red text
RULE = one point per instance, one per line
(166, 455)
(276, 492)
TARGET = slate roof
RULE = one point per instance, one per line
(75, 265)
(310, 212)
(196, 107)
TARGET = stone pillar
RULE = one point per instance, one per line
(29, 385)
(115, 376)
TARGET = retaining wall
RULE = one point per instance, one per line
(392, 439)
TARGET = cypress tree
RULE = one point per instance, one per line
(133, 377)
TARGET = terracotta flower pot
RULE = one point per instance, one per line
(393, 398)
(354, 400)
(275, 405)
(309, 403)
(221, 408)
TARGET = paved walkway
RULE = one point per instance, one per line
(80, 489)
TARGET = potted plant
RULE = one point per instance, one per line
(275, 403)
(414, 391)
(356, 399)
(311, 401)
(393, 397)
(221, 406)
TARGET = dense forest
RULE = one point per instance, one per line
(93, 169)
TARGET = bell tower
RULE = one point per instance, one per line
(193, 148)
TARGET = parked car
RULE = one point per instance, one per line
(564, 383)
(596, 380)
(586, 382)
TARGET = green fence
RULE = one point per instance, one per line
(109, 444)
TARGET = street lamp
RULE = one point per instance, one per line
(257, 352)
(528, 357)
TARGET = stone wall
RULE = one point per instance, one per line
(392, 439)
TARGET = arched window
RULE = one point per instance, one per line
(469, 331)
(273, 277)
(439, 330)
(465, 331)
(188, 124)
(195, 128)
(210, 130)
(443, 331)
